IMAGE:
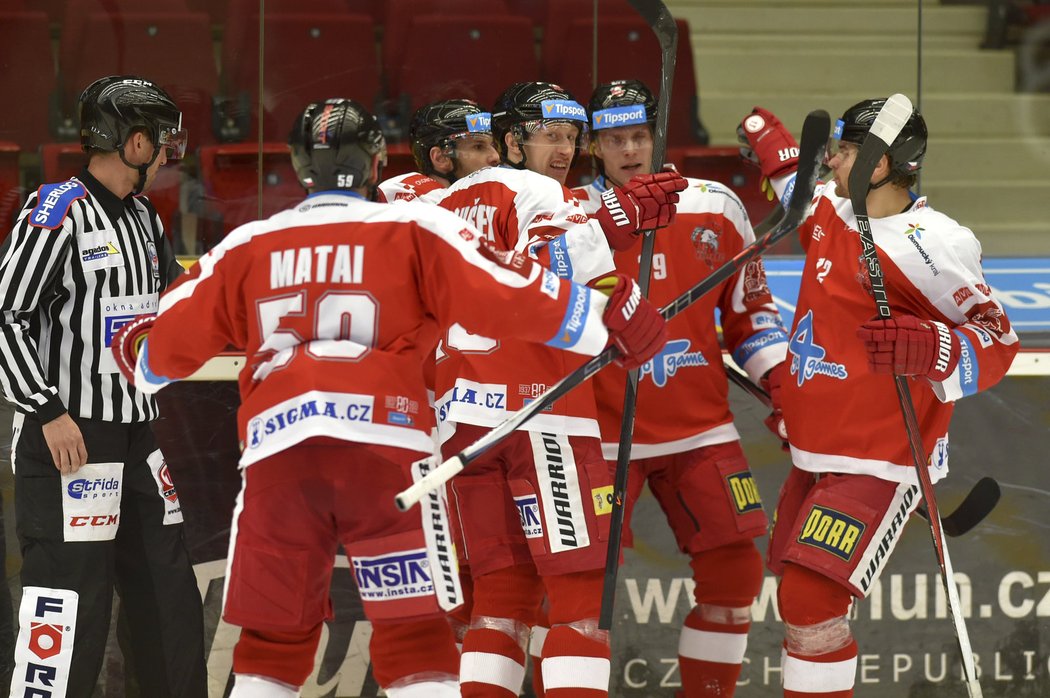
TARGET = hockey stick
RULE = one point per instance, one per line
(889, 122)
(814, 139)
(656, 15)
(978, 503)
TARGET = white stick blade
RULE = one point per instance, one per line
(891, 119)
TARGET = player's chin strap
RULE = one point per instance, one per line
(142, 169)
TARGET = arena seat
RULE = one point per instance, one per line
(24, 110)
(627, 48)
(306, 58)
(398, 17)
(12, 195)
(230, 179)
(491, 54)
(175, 50)
(559, 14)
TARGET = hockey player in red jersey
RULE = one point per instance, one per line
(853, 484)
(332, 303)
(535, 505)
(449, 140)
(685, 444)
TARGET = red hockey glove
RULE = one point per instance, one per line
(644, 203)
(127, 343)
(768, 143)
(908, 346)
(633, 322)
(775, 420)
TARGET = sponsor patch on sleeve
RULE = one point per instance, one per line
(575, 319)
(53, 201)
(832, 531)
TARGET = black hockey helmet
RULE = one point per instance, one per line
(440, 124)
(112, 108)
(333, 144)
(617, 103)
(525, 106)
(908, 148)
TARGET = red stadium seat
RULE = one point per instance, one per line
(726, 166)
(60, 161)
(175, 50)
(627, 48)
(397, 24)
(12, 195)
(242, 23)
(230, 177)
(490, 54)
(307, 58)
(27, 79)
(75, 17)
(559, 14)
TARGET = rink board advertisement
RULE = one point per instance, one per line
(907, 644)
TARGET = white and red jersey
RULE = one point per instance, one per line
(408, 187)
(840, 415)
(481, 381)
(682, 391)
(337, 301)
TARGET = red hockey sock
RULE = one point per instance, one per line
(492, 664)
(285, 656)
(710, 655)
(424, 646)
(829, 675)
(493, 661)
(575, 665)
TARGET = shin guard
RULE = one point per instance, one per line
(413, 648)
(820, 654)
(286, 657)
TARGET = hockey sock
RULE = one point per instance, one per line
(287, 657)
(714, 636)
(414, 647)
(820, 654)
(536, 640)
(575, 652)
(492, 664)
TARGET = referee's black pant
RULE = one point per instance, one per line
(146, 560)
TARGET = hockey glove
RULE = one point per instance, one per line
(634, 324)
(127, 343)
(646, 202)
(775, 420)
(767, 143)
(908, 346)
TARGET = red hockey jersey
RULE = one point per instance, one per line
(682, 392)
(842, 417)
(335, 303)
(525, 212)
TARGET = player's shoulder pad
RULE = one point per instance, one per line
(53, 202)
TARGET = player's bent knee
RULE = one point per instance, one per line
(729, 575)
(574, 596)
(511, 592)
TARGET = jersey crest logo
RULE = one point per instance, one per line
(807, 357)
(53, 201)
(706, 243)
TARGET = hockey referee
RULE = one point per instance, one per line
(95, 504)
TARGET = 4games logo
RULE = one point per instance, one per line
(807, 357)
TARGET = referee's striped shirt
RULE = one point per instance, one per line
(79, 264)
